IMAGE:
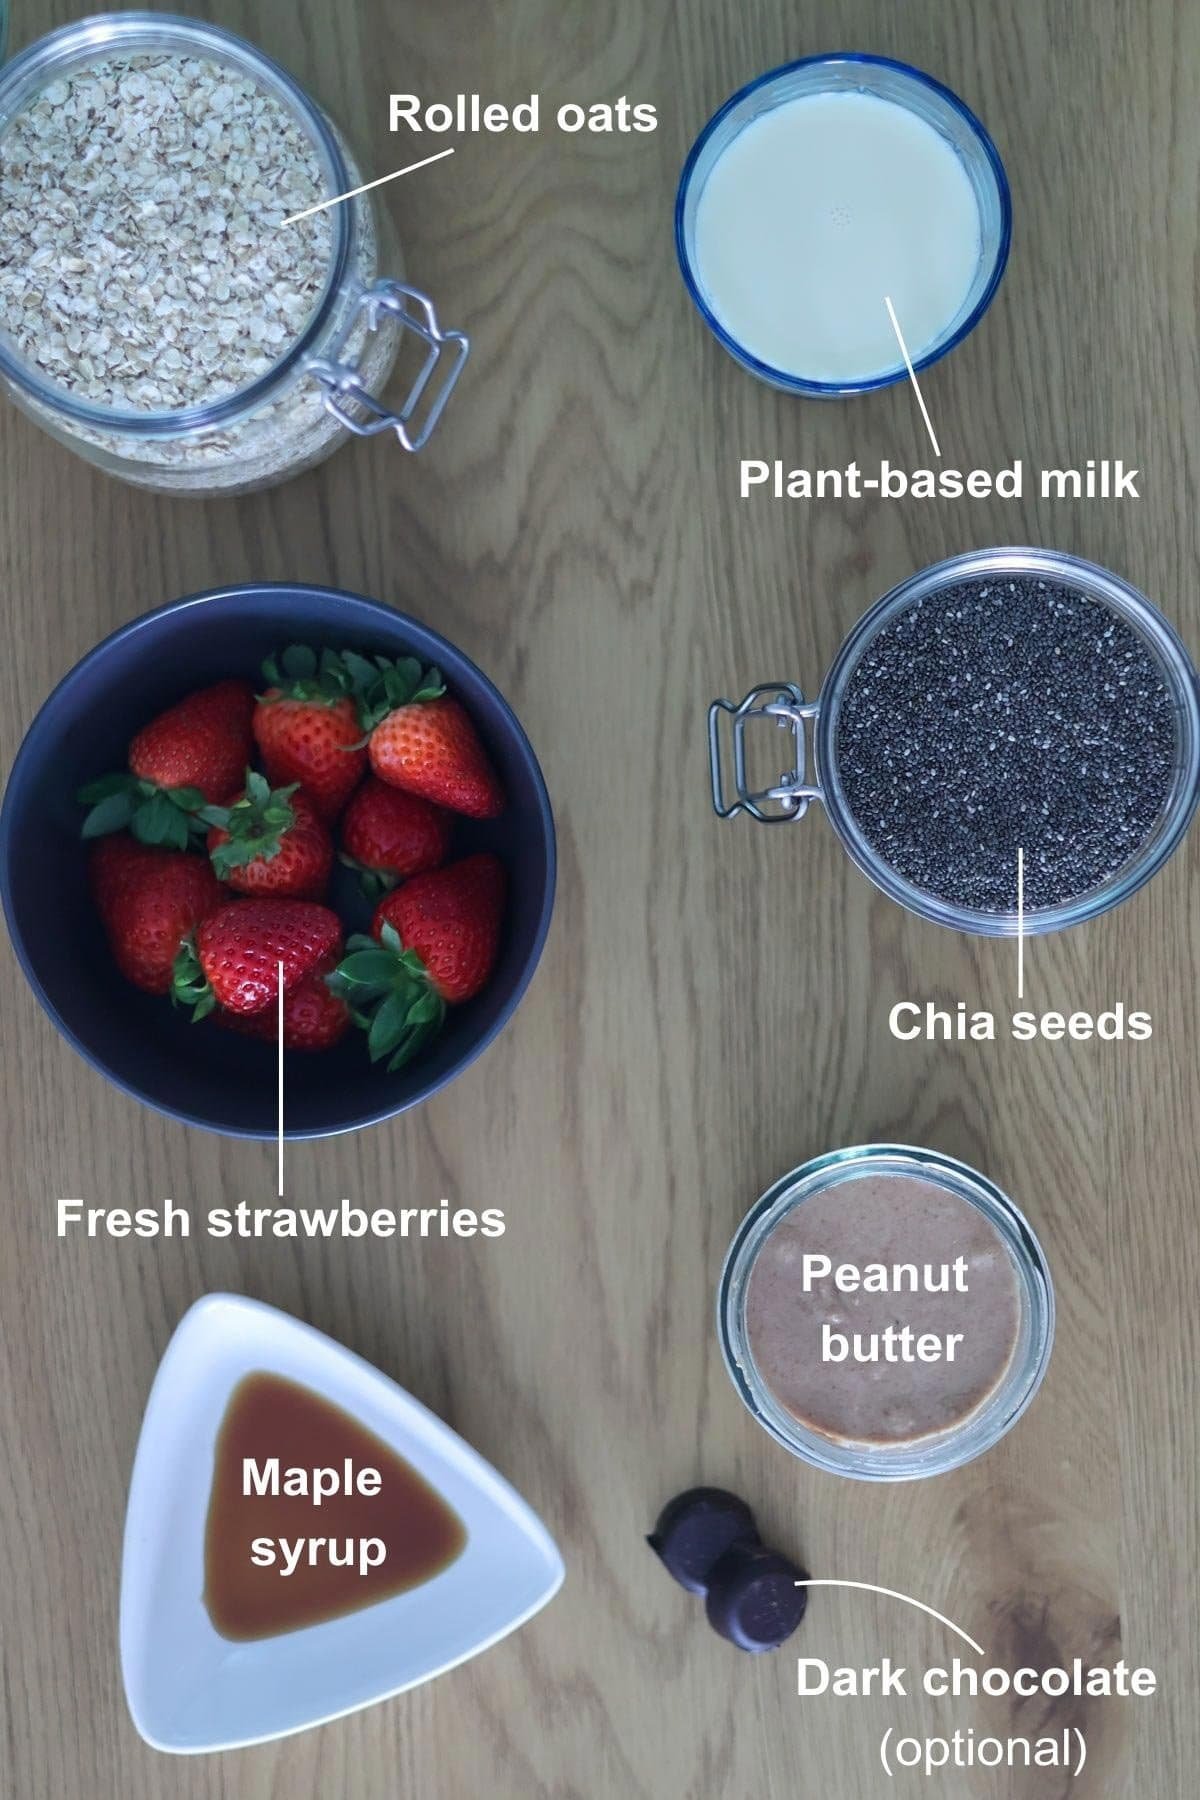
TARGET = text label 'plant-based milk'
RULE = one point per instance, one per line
(819, 210)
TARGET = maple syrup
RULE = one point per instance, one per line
(312, 1516)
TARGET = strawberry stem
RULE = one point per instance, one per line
(375, 883)
(189, 983)
(390, 996)
(166, 818)
(255, 823)
(375, 684)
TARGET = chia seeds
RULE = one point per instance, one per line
(999, 715)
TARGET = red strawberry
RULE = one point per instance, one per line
(150, 900)
(201, 742)
(434, 944)
(308, 726)
(388, 834)
(270, 842)
(194, 752)
(451, 919)
(233, 960)
(112, 864)
(313, 1017)
(430, 747)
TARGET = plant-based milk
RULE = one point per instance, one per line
(819, 210)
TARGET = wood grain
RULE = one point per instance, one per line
(712, 1005)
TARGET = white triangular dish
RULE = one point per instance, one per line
(191, 1690)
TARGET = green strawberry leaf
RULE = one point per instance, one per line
(188, 799)
(159, 822)
(105, 787)
(398, 682)
(390, 996)
(256, 824)
(430, 1009)
(408, 960)
(374, 968)
(388, 1025)
(375, 883)
(361, 671)
(420, 1033)
(332, 675)
(163, 817)
(113, 813)
(113, 800)
(189, 983)
(402, 1025)
(299, 662)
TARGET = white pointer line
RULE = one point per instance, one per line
(912, 375)
(869, 1587)
(1020, 924)
(279, 1077)
(322, 205)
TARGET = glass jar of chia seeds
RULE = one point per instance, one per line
(1009, 740)
(177, 304)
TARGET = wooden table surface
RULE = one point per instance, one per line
(712, 1006)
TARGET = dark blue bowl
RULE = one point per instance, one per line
(205, 1076)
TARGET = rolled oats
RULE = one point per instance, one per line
(148, 195)
(145, 268)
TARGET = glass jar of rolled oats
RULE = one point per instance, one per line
(177, 304)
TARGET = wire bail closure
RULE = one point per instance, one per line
(350, 401)
(787, 799)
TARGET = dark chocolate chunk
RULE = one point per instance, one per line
(696, 1529)
(753, 1599)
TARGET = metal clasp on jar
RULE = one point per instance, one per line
(350, 401)
(786, 799)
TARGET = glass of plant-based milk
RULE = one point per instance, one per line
(836, 213)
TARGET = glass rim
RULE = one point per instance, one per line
(785, 379)
(1153, 629)
(920, 1458)
(115, 33)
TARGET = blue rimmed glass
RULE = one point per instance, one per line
(1020, 1380)
(814, 775)
(850, 72)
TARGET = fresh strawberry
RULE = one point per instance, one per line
(388, 835)
(233, 958)
(434, 944)
(308, 725)
(113, 863)
(200, 742)
(149, 901)
(429, 747)
(451, 919)
(313, 1017)
(270, 842)
(193, 753)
